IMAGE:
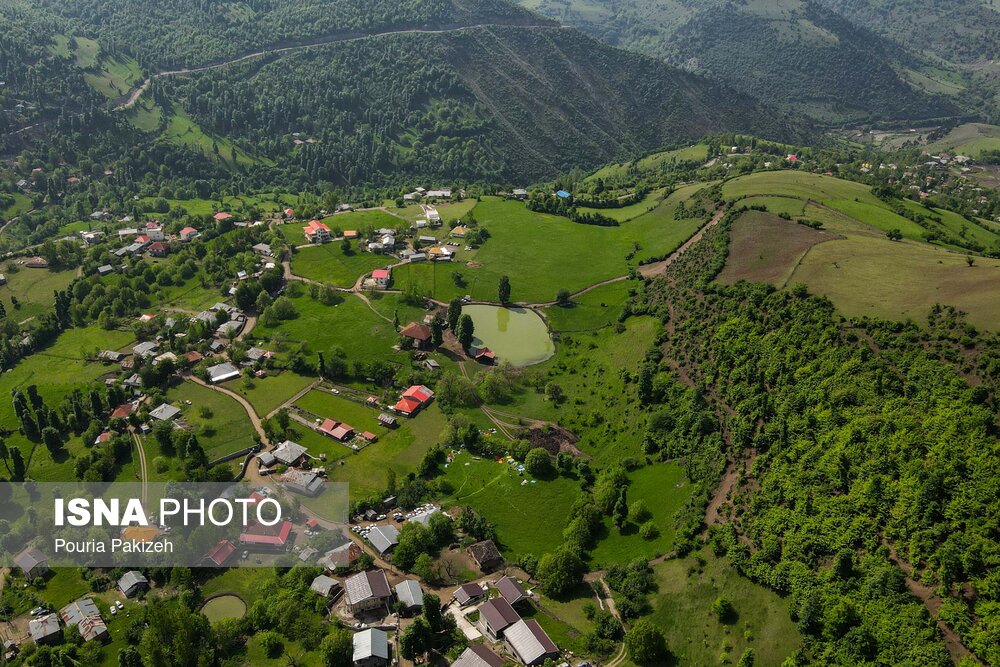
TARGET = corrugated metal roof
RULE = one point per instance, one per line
(409, 593)
(371, 643)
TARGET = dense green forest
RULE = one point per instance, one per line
(798, 54)
(855, 447)
(494, 103)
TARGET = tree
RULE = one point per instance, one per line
(337, 648)
(894, 234)
(503, 290)
(969, 260)
(129, 657)
(538, 463)
(645, 643)
(723, 609)
(560, 572)
(423, 567)
(437, 331)
(466, 332)
(639, 511)
(415, 640)
(454, 313)
(554, 393)
(564, 298)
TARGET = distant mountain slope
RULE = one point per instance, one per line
(791, 52)
(182, 33)
(482, 103)
(955, 30)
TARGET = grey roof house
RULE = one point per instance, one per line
(478, 655)
(132, 583)
(408, 592)
(222, 372)
(495, 616)
(529, 643)
(164, 412)
(383, 538)
(367, 590)
(32, 562)
(45, 629)
(371, 647)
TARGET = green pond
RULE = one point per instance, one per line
(223, 607)
(516, 335)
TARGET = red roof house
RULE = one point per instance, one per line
(267, 537)
(159, 249)
(407, 406)
(221, 552)
(222, 216)
(122, 411)
(420, 333)
(316, 232)
(420, 393)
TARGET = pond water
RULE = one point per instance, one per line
(516, 335)
(222, 607)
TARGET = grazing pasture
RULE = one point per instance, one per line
(764, 248)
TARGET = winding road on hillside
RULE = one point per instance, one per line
(129, 100)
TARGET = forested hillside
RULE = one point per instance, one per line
(486, 103)
(956, 31)
(795, 53)
(855, 447)
(182, 33)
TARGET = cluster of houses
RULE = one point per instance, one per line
(296, 477)
(150, 239)
(500, 623)
(423, 193)
(46, 627)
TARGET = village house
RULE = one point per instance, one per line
(85, 616)
(486, 555)
(45, 629)
(341, 557)
(263, 249)
(146, 349)
(303, 482)
(420, 334)
(220, 553)
(339, 431)
(111, 356)
(256, 354)
(188, 233)
(222, 216)
(316, 232)
(155, 232)
(483, 355)
(383, 538)
(443, 193)
(164, 412)
(477, 655)
(387, 420)
(36, 263)
(529, 643)
(367, 590)
(408, 592)
(381, 278)
(324, 586)
(510, 589)
(289, 453)
(413, 399)
(159, 249)
(371, 648)
(105, 270)
(440, 253)
(519, 193)
(459, 231)
(32, 562)
(260, 537)
(132, 583)
(467, 594)
(495, 616)
(222, 372)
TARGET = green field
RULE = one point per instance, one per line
(398, 450)
(496, 491)
(114, 76)
(545, 253)
(268, 393)
(597, 308)
(33, 289)
(328, 264)
(183, 130)
(664, 488)
(21, 204)
(223, 429)
(57, 371)
(350, 325)
(970, 139)
(600, 408)
(626, 213)
(359, 221)
(146, 115)
(682, 608)
(696, 152)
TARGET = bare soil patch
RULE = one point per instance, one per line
(764, 248)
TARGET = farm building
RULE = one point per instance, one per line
(529, 643)
(486, 555)
(467, 594)
(408, 592)
(339, 431)
(511, 590)
(220, 553)
(289, 453)
(222, 372)
(367, 590)
(132, 583)
(342, 556)
(164, 412)
(266, 538)
(371, 648)
(381, 278)
(45, 629)
(383, 538)
(478, 655)
(85, 616)
(495, 616)
(303, 482)
(413, 399)
(324, 586)
(420, 334)
(32, 562)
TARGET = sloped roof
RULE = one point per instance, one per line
(289, 452)
(383, 538)
(417, 331)
(323, 585)
(371, 643)
(498, 614)
(30, 558)
(511, 590)
(478, 655)
(409, 593)
(529, 641)
(42, 627)
(130, 579)
(467, 592)
(164, 412)
(365, 585)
